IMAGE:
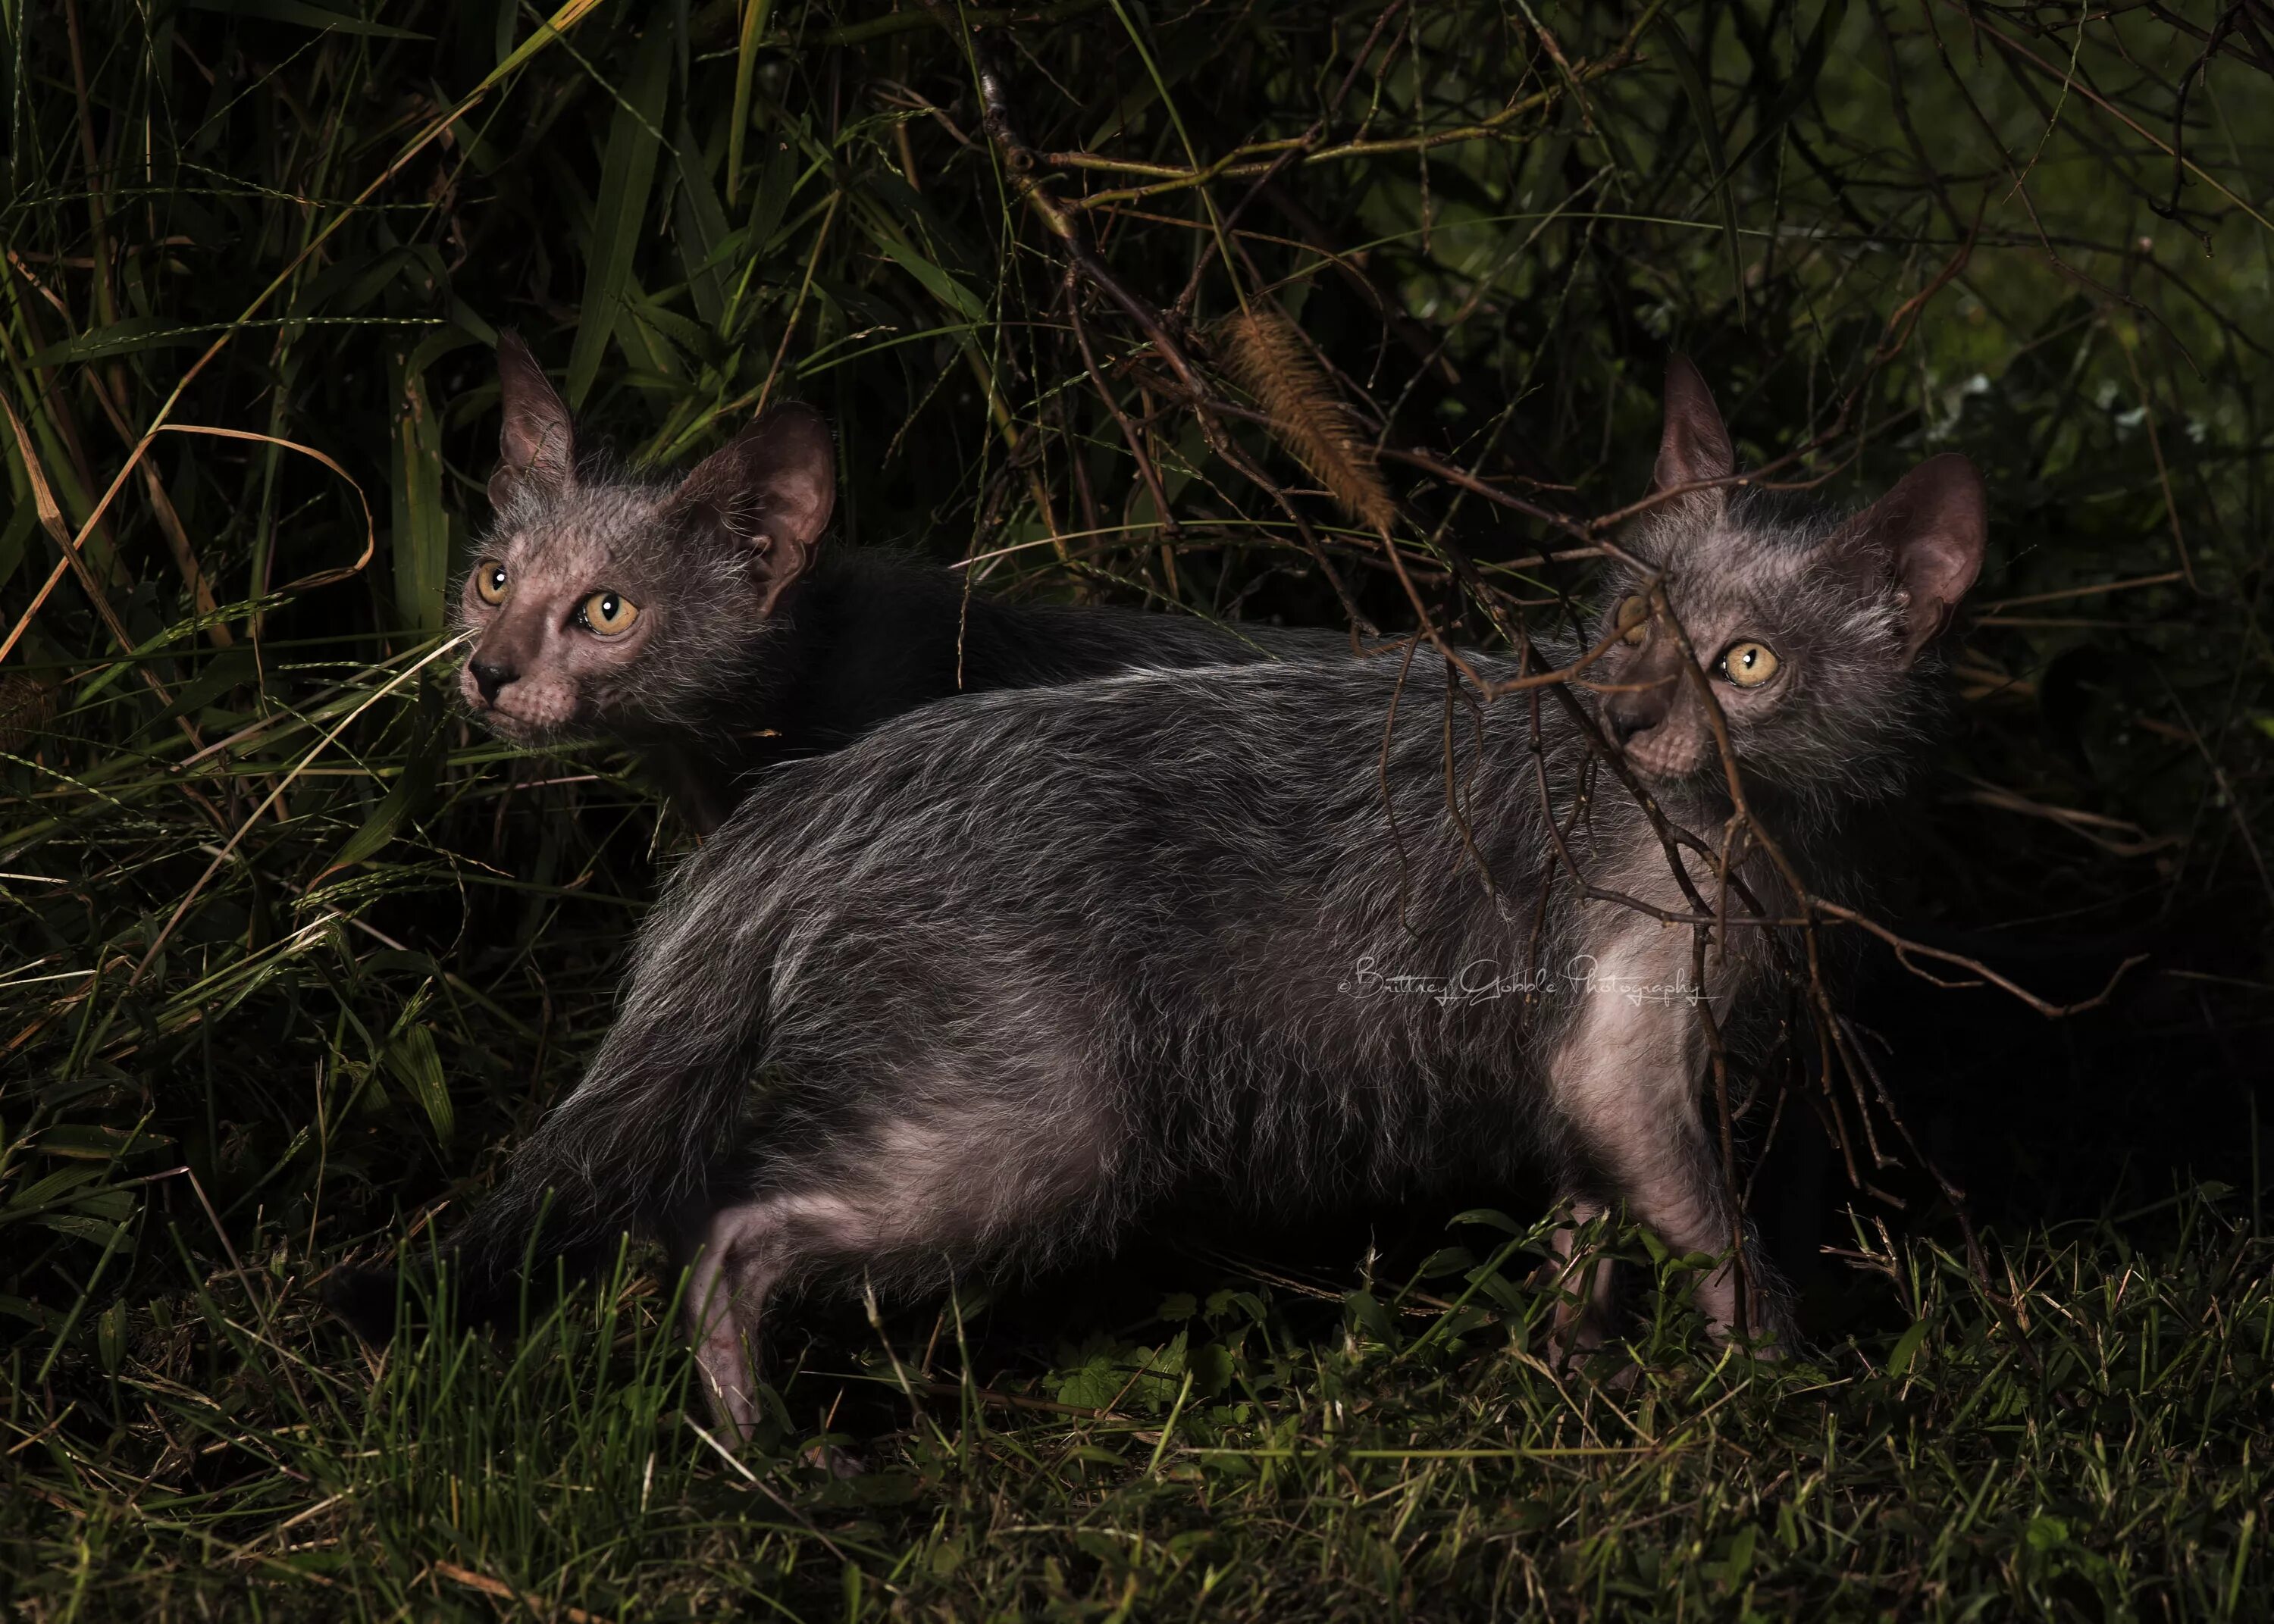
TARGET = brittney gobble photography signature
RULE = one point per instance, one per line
(1481, 980)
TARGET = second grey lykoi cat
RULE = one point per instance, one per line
(704, 625)
(1010, 971)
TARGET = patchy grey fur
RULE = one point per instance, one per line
(991, 983)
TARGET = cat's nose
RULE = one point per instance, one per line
(489, 678)
(1627, 714)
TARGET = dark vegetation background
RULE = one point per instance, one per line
(289, 950)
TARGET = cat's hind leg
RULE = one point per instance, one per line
(900, 1191)
(743, 1254)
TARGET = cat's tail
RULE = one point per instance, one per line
(634, 1147)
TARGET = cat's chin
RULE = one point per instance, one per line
(531, 734)
(1704, 778)
(1667, 769)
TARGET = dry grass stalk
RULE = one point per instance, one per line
(1265, 355)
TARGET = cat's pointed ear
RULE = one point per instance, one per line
(1694, 444)
(1928, 534)
(773, 489)
(537, 446)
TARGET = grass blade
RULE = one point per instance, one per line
(619, 212)
(754, 13)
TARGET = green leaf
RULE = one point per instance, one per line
(1446, 1260)
(937, 281)
(620, 213)
(44, 1192)
(1490, 1220)
(411, 1057)
(111, 1337)
(406, 794)
(1906, 1349)
(770, 203)
(1741, 1554)
(90, 1142)
(1366, 1309)
(745, 62)
(306, 15)
(650, 356)
(2046, 1533)
(886, 1488)
(32, 1313)
(1096, 1385)
(421, 537)
(700, 220)
(1211, 1370)
(230, 668)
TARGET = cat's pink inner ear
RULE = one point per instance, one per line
(1694, 444)
(773, 488)
(1932, 527)
(537, 443)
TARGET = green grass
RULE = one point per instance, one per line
(1256, 1449)
(291, 953)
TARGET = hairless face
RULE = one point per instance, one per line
(1788, 633)
(597, 605)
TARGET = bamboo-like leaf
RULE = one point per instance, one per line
(777, 187)
(754, 13)
(701, 222)
(619, 212)
(643, 346)
(693, 337)
(935, 278)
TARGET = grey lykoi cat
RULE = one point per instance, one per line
(992, 983)
(704, 624)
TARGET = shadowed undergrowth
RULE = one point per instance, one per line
(1263, 1450)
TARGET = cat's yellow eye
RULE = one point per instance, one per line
(1749, 664)
(490, 582)
(1633, 618)
(610, 613)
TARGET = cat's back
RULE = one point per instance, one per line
(1163, 777)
